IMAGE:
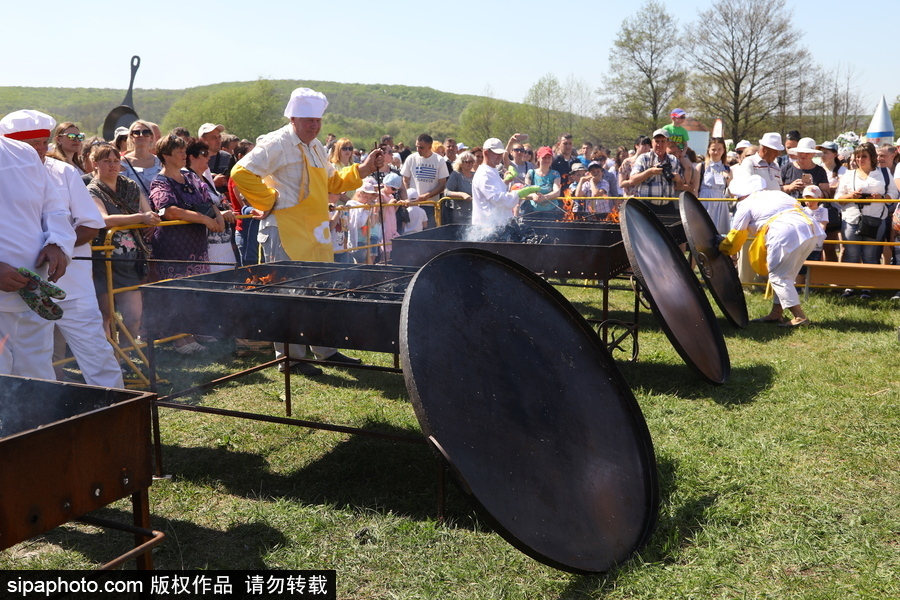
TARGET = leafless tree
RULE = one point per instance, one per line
(745, 59)
(645, 69)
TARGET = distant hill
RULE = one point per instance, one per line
(350, 104)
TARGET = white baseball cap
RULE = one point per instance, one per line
(209, 127)
(494, 145)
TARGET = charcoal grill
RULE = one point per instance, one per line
(322, 304)
(585, 249)
(67, 450)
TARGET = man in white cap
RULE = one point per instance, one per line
(220, 162)
(785, 236)
(81, 324)
(39, 237)
(286, 178)
(657, 174)
(492, 203)
(764, 163)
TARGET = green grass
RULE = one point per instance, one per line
(782, 483)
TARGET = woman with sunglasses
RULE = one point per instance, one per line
(341, 156)
(68, 142)
(520, 155)
(139, 164)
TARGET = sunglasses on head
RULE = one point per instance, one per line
(74, 137)
(142, 132)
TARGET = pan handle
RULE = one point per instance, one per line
(135, 63)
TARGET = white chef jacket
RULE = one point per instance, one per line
(34, 212)
(78, 281)
(786, 233)
(492, 204)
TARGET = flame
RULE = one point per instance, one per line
(613, 216)
(264, 279)
(568, 206)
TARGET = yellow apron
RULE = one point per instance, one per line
(303, 228)
(758, 253)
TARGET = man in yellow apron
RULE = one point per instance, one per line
(287, 179)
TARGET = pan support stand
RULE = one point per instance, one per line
(615, 332)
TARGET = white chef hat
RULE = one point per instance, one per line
(27, 125)
(744, 186)
(306, 104)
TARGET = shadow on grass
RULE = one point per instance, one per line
(187, 545)
(742, 387)
(359, 473)
(677, 526)
(184, 372)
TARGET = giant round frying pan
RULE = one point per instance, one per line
(122, 115)
(676, 297)
(718, 270)
(521, 398)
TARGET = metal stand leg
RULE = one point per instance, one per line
(140, 504)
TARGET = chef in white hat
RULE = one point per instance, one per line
(81, 325)
(286, 178)
(785, 236)
(37, 236)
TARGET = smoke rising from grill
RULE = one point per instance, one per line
(516, 230)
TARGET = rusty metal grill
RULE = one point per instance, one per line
(70, 449)
(327, 304)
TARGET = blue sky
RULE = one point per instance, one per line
(461, 47)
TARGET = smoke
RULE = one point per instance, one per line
(516, 230)
(482, 232)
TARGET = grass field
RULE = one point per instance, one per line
(782, 483)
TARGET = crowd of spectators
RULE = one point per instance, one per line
(142, 177)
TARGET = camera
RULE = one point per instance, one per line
(667, 171)
(865, 197)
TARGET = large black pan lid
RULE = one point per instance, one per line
(675, 295)
(525, 403)
(718, 270)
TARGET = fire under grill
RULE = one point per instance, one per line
(326, 304)
(580, 249)
(68, 450)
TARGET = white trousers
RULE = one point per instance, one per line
(29, 348)
(783, 275)
(82, 328)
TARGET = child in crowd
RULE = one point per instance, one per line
(418, 219)
(593, 185)
(358, 218)
(811, 196)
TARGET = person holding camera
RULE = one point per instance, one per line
(657, 174)
(864, 221)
